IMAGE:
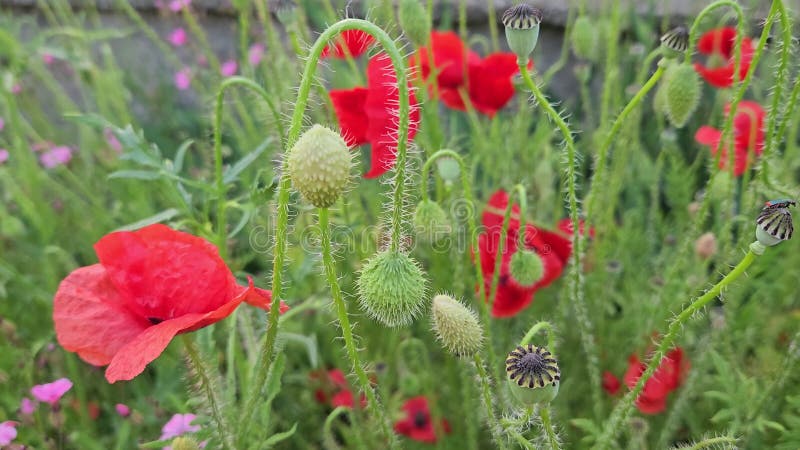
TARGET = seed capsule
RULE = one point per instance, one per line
(774, 223)
(533, 374)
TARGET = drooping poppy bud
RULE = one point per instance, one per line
(522, 30)
(456, 326)
(584, 39)
(533, 374)
(319, 166)
(391, 288)
(682, 94)
(414, 22)
(448, 169)
(774, 223)
(675, 42)
(526, 267)
(430, 221)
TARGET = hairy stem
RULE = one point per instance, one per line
(211, 396)
(552, 439)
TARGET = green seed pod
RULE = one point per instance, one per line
(522, 29)
(774, 223)
(430, 221)
(682, 94)
(456, 326)
(533, 374)
(184, 443)
(584, 39)
(526, 267)
(414, 22)
(391, 288)
(319, 166)
(675, 42)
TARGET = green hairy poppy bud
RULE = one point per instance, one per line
(430, 221)
(448, 169)
(682, 93)
(184, 443)
(774, 223)
(319, 166)
(526, 267)
(533, 374)
(584, 39)
(391, 288)
(456, 326)
(414, 21)
(522, 30)
(675, 42)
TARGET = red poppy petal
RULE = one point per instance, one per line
(611, 383)
(342, 398)
(651, 406)
(490, 86)
(260, 298)
(348, 104)
(90, 317)
(166, 273)
(448, 58)
(352, 42)
(721, 77)
(719, 40)
(452, 99)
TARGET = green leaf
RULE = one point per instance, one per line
(233, 172)
(167, 214)
(180, 155)
(135, 174)
(276, 438)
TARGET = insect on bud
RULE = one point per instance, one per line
(522, 30)
(456, 326)
(533, 374)
(391, 288)
(774, 223)
(319, 166)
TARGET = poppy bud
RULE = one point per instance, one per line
(456, 326)
(533, 374)
(682, 95)
(526, 267)
(448, 169)
(319, 166)
(430, 221)
(705, 246)
(414, 21)
(675, 42)
(286, 12)
(184, 443)
(774, 223)
(522, 29)
(391, 288)
(584, 39)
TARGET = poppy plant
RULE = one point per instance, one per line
(417, 423)
(719, 44)
(748, 126)
(150, 285)
(369, 114)
(552, 247)
(348, 44)
(462, 73)
(668, 376)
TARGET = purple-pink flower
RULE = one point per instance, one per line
(16, 88)
(2, 124)
(112, 141)
(26, 406)
(178, 37)
(55, 156)
(51, 392)
(8, 432)
(177, 5)
(183, 79)
(255, 53)
(122, 409)
(178, 425)
(47, 58)
(3, 155)
(229, 68)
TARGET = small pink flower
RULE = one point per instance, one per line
(183, 79)
(55, 157)
(178, 425)
(177, 5)
(51, 392)
(16, 88)
(122, 409)
(26, 406)
(8, 432)
(112, 141)
(47, 58)
(255, 54)
(2, 124)
(178, 37)
(229, 68)
(3, 155)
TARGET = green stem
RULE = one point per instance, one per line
(783, 69)
(494, 426)
(713, 443)
(536, 328)
(598, 181)
(347, 330)
(208, 389)
(493, 25)
(544, 413)
(611, 63)
(520, 190)
(470, 418)
(624, 407)
(585, 325)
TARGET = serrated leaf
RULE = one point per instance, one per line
(233, 172)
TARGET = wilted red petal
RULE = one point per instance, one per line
(348, 104)
(354, 42)
(90, 317)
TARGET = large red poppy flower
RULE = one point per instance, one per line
(348, 44)
(552, 247)
(417, 423)
(369, 115)
(461, 72)
(748, 126)
(668, 376)
(150, 285)
(719, 45)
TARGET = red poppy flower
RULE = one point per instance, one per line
(668, 376)
(748, 126)
(611, 383)
(349, 44)
(460, 71)
(150, 285)
(369, 115)
(719, 44)
(553, 248)
(335, 390)
(417, 423)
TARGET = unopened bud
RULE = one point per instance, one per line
(526, 267)
(414, 22)
(584, 39)
(319, 166)
(391, 288)
(456, 326)
(430, 221)
(682, 93)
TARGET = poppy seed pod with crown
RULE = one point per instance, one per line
(391, 288)
(774, 223)
(319, 166)
(675, 42)
(533, 374)
(522, 30)
(682, 93)
(456, 326)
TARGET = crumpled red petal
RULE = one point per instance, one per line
(349, 107)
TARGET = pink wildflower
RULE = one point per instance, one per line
(51, 392)
(183, 79)
(55, 157)
(178, 425)
(178, 37)
(122, 409)
(47, 58)
(16, 88)
(112, 141)
(229, 68)
(2, 124)
(177, 5)
(26, 406)
(255, 54)
(8, 432)
(3, 155)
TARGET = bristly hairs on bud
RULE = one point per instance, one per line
(526, 267)
(431, 223)
(456, 326)
(683, 92)
(585, 39)
(319, 165)
(391, 288)
(414, 22)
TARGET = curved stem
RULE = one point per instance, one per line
(623, 408)
(432, 159)
(536, 328)
(211, 396)
(284, 186)
(699, 19)
(544, 413)
(347, 330)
